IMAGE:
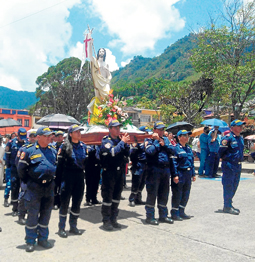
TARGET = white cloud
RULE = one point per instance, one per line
(110, 58)
(124, 63)
(28, 46)
(138, 24)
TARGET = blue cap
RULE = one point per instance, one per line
(145, 129)
(74, 127)
(159, 125)
(183, 132)
(114, 123)
(59, 133)
(237, 123)
(44, 131)
(32, 133)
(22, 133)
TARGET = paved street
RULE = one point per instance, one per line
(209, 236)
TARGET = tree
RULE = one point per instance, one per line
(62, 90)
(187, 98)
(226, 54)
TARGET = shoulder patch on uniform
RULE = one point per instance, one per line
(108, 145)
(37, 146)
(27, 146)
(53, 147)
(34, 156)
(224, 142)
(22, 155)
(18, 154)
(105, 136)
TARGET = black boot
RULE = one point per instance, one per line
(22, 220)
(6, 204)
(30, 248)
(107, 226)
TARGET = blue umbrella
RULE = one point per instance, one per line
(214, 122)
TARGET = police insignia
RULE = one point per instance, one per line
(22, 155)
(18, 154)
(224, 142)
(108, 145)
(59, 151)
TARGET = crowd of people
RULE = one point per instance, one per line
(49, 168)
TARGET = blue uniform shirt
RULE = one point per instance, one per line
(12, 149)
(156, 154)
(215, 145)
(231, 148)
(184, 159)
(203, 139)
(137, 153)
(37, 164)
(113, 153)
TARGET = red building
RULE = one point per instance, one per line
(21, 116)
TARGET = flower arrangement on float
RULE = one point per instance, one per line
(111, 109)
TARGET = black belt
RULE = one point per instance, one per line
(184, 169)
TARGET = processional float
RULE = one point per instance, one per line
(104, 107)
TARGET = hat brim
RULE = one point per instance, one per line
(76, 129)
(159, 127)
(184, 133)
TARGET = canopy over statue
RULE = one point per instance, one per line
(100, 74)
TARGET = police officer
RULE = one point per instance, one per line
(36, 168)
(11, 152)
(212, 162)
(7, 179)
(158, 152)
(203, 139)
(70, 179)
(231, 152)
(181, 182)
(21, 206)
(92, 173)
(139, 170)
(59, 136)
(112, 154)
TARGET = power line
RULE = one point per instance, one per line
(32, 14)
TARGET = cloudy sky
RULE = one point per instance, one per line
(36, 34)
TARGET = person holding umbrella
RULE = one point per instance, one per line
(70, 179)
(181, 182)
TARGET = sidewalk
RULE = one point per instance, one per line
(247, 167)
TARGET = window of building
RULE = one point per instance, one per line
(26, 122)
(20, 121)
(145, 118)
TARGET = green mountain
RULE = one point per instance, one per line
(16, 99)
(173, 64)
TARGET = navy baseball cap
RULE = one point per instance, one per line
(114, 123)
(74, 127)
(183, 132)
(159, 125)
(44, 131)
(22, 133)
(237, 123)
(59, 133)
(145, 129)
